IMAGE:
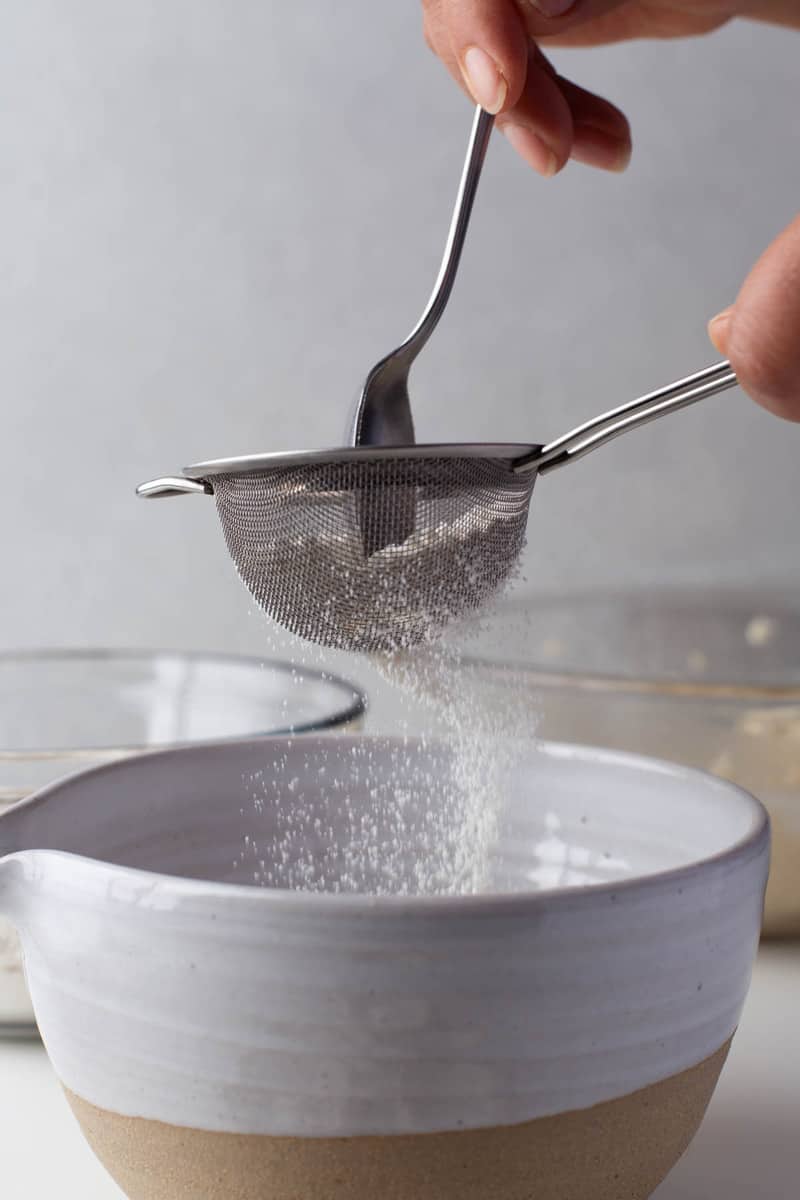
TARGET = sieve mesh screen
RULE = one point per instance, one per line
(448, 533)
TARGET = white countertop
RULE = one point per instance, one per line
(748, 1148)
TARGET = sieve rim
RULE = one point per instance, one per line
(253, 463)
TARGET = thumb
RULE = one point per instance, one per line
(760, 333)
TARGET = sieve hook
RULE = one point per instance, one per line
(173, 485)
(610, 425)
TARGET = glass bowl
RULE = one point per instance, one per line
(708, 679)
(64, 710)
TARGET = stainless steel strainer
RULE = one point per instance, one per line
(378, 545)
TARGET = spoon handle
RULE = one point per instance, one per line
(382, 414)
(476, 153)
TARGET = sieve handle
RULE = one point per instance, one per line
(610, 425)
(173, 485)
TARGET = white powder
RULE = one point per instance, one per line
(425, 822)
(483, 729)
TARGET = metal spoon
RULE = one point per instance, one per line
(382, 415)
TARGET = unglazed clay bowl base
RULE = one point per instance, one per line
(619, 1150)
(556, 1037)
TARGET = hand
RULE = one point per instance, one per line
(488, 46)
(492, 48)
(760, 333)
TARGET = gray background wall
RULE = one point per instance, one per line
(217, 213)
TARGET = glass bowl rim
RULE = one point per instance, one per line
(347, 713)
(602, 682)
(644, 684)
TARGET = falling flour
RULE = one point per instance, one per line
(484, 729)
(423, 817)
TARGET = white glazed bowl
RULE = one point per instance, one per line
(222, 1040)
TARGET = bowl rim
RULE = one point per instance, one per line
(340, 905)
(353, 706)
(541, 675)
(585, 681)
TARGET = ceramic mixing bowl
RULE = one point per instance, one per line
(708, 679)
(559, 1036)
(62, 711)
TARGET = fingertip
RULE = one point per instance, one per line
(718, 330)
(596, 148)
(489, 42)
(486, 82)
(601, 131)
(532, 149)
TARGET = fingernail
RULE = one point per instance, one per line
(484, 81)
(552, 8)
(596, 148)
(531, 147)
(718, 328)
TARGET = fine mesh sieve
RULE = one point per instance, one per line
(301, 527)
(296, 536)
(378, 545)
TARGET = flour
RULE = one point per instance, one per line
(484, 730)
(422, 819)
